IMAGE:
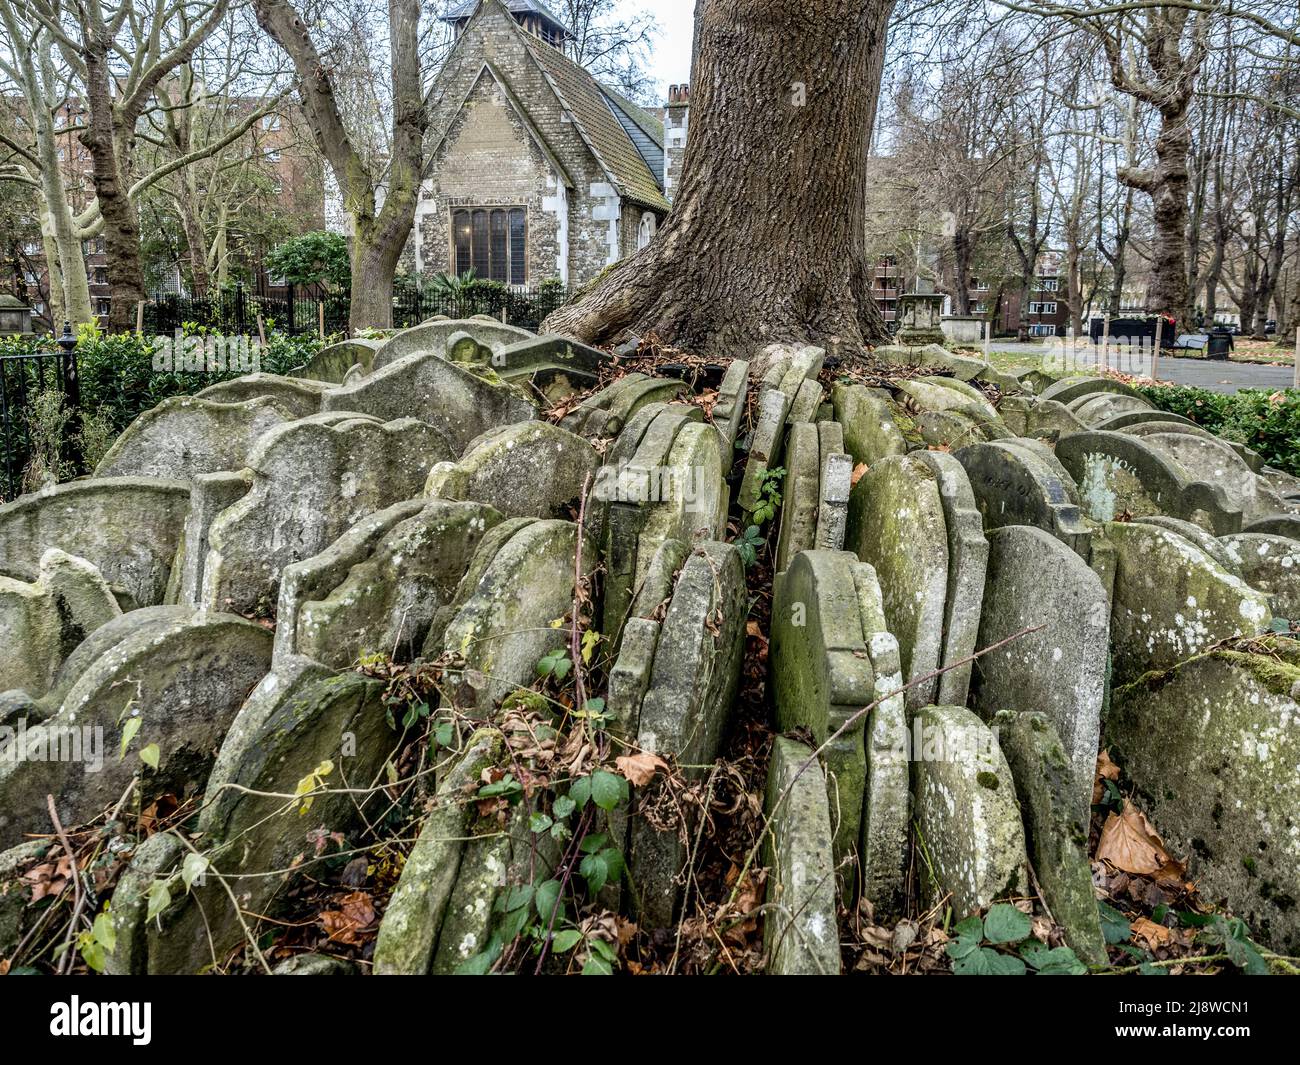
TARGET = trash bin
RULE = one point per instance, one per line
(1219, 344)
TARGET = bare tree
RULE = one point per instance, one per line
(379, 195)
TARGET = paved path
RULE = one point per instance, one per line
(1217, 376)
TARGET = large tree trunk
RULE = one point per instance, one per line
(765, 242)
(1167, 184)
(121, 223)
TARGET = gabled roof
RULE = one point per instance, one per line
(599, 125)
(520, 111)
(515, 7)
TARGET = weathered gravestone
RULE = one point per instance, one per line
(409, 935)
(870, 432)
(832, 658)
(459, 403)
(45, 621)
(1172, 601)
(1119, 474)
(1269, 564)
(313, 479)
(387, 604)
(126, 527)
(896, 524)
(504, 627)
(1056, 827)
(968, 553)
(430, 338)
(801, 929)
(1212, 746)
(530, 469)
(183, 681)
(687, 704)
(300, 398)
(966, 811)
(1036, 582)
(183, 437)
(300, 723)
(332, 363)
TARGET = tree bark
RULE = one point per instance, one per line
(378, 233)
(765, 242)
(1170, 91)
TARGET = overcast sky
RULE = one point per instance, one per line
(670, 63)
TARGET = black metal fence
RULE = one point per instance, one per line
(24, 378)
(238, 311)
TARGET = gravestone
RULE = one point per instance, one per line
(529, 469)
(1269, 564)
(312, 480)
(183, 682)
(126, 527)
(1036, 582)
(1056, 827)
(870, 432)
(459, 403)
(332, 363)
(44, 622)
(1211, 745)
(687, 705)
(1173, 601)
(300, 398)
(183, 437)
(968, 553)
(896, 524)
(979, 856)
(1015, 486)
(387, 604)
(801, 928)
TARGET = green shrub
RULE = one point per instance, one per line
(1267, 422)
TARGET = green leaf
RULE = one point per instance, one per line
(962, 947)
(608, 789)
(159, 899)
(595, 871)
(597, 967)
(1114, 925)
(518, 895)
(580, 791)
(129, 730)
(104, 931)
(599, 946)
(539, 823)
(590, 641)
(1005, 924)
(150, 755)
(443, 733)
(1057, 961)
(194, 866)
(1147, 969)
(563, 942)
(563, 806)
(548, 899)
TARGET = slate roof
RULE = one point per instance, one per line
(645, 131)
(515, 7)
(605, 134)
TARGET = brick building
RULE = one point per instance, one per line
(1048, 313)
(537, 171)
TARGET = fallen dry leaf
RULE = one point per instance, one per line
(349, 922)
(640, 768)
(858, 471)
(1128, 842)
(1106, 770)
(1151, 934)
